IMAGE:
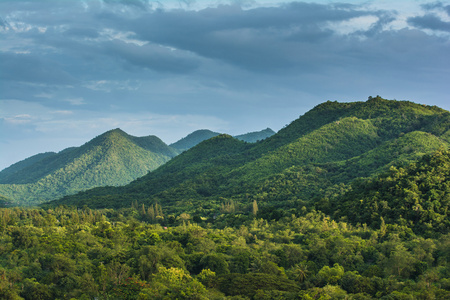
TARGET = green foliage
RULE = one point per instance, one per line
(68, 253)
(249, 284)
(416, 196)
(328, 275)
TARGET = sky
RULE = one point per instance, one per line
(72, 70)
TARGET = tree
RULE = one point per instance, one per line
(215, 262)
(173, 283)
(33, 290)
(255, 207)
(328, 275)
(400, 262)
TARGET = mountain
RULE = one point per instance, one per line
(199, 136)
(253, 137)
(113, 158)
(193, 139)
(317, 156)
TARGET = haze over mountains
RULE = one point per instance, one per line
(113, 158)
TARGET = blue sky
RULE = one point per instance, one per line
(71, 70)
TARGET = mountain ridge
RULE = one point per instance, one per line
(320, 153)
(201, 135)
(47, 176)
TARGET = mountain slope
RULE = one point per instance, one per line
(193, 139)
(15, 173)
(417, 196)
(113, 158)
(253, 137)
(199, 136)
(318, 154)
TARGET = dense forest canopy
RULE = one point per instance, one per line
(138, 253)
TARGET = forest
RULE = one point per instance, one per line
(67, 253)
(350, 201)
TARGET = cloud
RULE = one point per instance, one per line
(154, 57)
(434, 19)
(139, 4)
(32, 68)
(18, 119)
(437, 6)
(260, 38)
(143, 64)
(76, 101)
(429, 21)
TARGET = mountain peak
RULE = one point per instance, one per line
(193, 139)
(112, 158)
(115, 132)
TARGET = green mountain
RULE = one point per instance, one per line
(193, 139)
(199, 136)
(318, 155)
(253, 137)
(113, 158)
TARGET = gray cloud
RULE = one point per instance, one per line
(429, 21)
(251, 65)
(436, 5)
(295, 35)
(154, 57)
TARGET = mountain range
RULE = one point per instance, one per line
(349, 201)
(111, 159)
(313, 160)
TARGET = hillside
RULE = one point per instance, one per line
(15, 173)
(199, 136)
(113, 158)
(317, 155)
(417, 195)
(253, 137)
(193, 139)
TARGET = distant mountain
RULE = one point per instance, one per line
(113, 158)
(193, 139)
(253, 137)
(199, 136)
(317, 156)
